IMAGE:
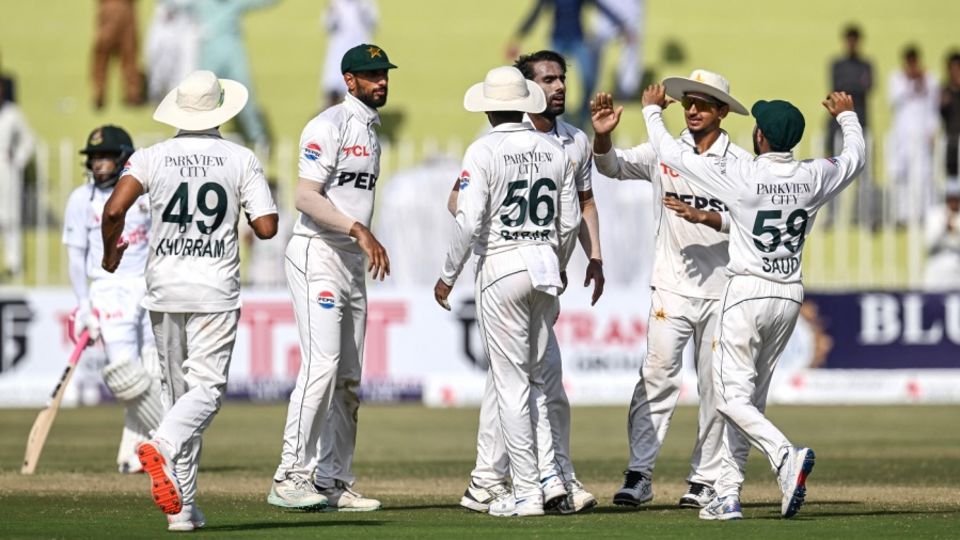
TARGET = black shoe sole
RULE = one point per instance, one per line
(685, 503)
(626, 501)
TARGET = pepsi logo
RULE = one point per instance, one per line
(464, 178)
(326, 300)
(312, 151)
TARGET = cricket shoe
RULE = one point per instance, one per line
(189, 519)
(722, 509)
(792, 476)
(578, 499)
(297, 493)
(697, 496)
(510, 506)
(340, 498)
(554, 492)
(479, 499)
(163, 482)
(637, 489)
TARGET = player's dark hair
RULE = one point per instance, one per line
(911, 53)
(525, 62)
(954, 57)
(851, 31)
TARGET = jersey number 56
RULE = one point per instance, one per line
(529, 203)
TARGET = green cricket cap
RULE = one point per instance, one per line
(782, 123)
(365, 57)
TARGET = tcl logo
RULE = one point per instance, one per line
(357, 150)
(669, 171)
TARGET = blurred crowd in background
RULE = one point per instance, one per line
(183, 35)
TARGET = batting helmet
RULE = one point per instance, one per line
(111, 141)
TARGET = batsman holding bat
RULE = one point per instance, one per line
(108, 304)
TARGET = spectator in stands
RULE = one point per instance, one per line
(348, 22)
(913, 96)
(950, 113)
(567, 38)
(116, 35)
(222, 51)
(629, 72)
(16, 149)
(853, 74)
(943, 242)
(171, 47)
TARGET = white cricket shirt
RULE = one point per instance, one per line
(578, 148)
(688, 259)
(517, 188)
(197, 182)
(339, 149)
(773, 199)
(81, 229)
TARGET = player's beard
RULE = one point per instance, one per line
(756, 141)
(372, 101)
(553, 110)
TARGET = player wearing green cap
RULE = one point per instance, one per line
(132, 372)
(326, 260)
(773, 201)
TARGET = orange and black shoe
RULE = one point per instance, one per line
(163, 482)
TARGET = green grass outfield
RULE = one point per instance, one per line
(882, 472)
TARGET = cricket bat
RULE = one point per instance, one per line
(43, 423)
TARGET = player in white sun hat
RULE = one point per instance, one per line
(518, 210)
(773, 201)
(197, 183)
(687, 281)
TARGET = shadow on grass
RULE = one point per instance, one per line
(290, 525)
(428, 506)
(673, 507)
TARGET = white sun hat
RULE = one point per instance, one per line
(706, 82)
(201, 101)
(505, 89)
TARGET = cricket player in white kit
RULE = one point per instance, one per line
(517, 208)
(197, 183)
(325, 266)
(108, 305)
(489, 478)
(687, 282)
(773, 201)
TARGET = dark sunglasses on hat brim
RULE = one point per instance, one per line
(701, 102)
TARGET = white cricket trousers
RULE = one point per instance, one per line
(195, 351)
(756, 321)
(674, 320)
(124, 325)
(329, 293)
(493, 464)
(515, 321)
(127, 336)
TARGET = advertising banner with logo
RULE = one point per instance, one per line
(850, 348)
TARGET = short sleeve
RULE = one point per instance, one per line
(583, 172)
(75, 219)
(319, 148)
(138, 167)
(255, 197)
